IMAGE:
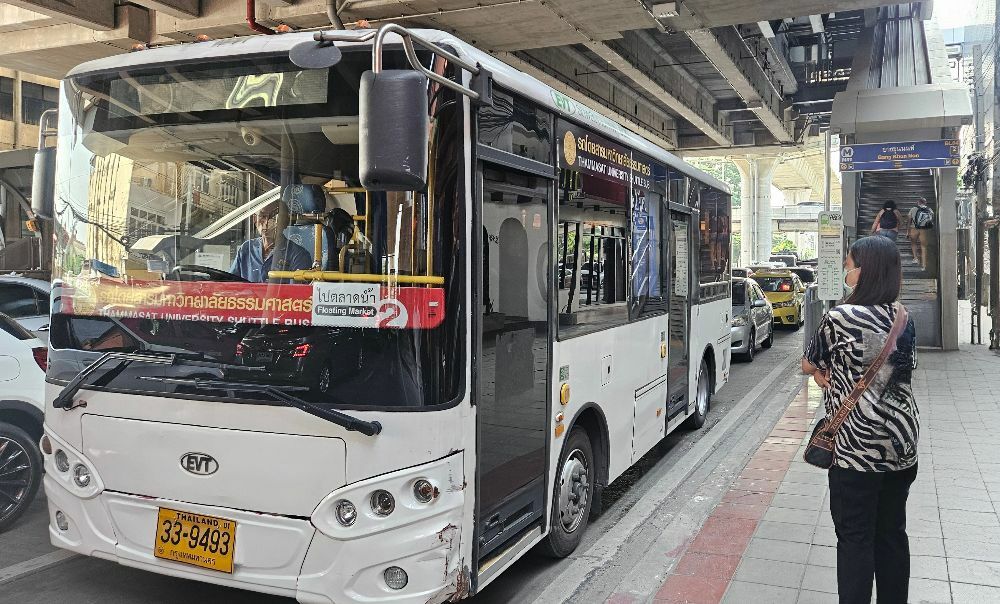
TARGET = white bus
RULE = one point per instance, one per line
(388, 314)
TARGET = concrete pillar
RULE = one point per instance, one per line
(746, 210)
(755, 216)
(947, 225)
(764, 171)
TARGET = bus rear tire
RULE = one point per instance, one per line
(702, 399)
(572, 496)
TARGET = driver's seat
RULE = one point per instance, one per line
(308, 204)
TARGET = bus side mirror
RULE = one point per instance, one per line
(43, 183)
(393, 130)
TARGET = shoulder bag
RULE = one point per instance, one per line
(822, 446)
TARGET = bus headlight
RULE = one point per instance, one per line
(61, 461)
(424, 491)
(346, 513)
(382, 502)
(81, 475)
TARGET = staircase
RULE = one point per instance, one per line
(920, 288)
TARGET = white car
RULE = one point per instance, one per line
(23, 359)
(26, 300)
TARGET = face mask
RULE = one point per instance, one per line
(848, 289)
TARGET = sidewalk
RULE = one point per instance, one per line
(771, 540)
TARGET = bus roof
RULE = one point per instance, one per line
(503, 74)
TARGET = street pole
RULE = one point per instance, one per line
(826, 172)
(979, 212)
(994, 252)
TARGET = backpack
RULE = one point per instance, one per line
(924, 218)
(888, 220)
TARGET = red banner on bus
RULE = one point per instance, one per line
(367, 305)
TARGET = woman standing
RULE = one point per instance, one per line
(875, 458)
(887, 221)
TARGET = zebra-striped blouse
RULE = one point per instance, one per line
(880, 434)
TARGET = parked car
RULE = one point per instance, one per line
(805, 273)
(26, 300)
(23, 359)
(305, 356)
(753, 319)
(784, 259)
(786, 293)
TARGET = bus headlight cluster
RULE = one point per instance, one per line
(383, 503)
(71, 468)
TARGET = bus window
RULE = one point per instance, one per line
(647, 264)
(516, 126)
(713, 236)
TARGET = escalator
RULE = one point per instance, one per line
(920, 288)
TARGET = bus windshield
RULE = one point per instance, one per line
(215, 210)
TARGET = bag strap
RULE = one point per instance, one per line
(852, 399)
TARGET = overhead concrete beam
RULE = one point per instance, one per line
(617, 94)
(54, 50)
(629, 66)
(561, 86)
(727, 51)
(176, 8)
(93, 14)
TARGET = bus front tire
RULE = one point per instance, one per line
(572, 495)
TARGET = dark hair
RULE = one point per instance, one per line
(881, 271)
(889, 205)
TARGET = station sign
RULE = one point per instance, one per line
(901, 156)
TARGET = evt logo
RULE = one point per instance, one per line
(200, 464)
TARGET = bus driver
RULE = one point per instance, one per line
(256, 256)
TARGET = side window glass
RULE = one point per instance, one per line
(714, 268)
(42, 300)
(516, 126)
(647, 266)
(592, 248)
(17, 301)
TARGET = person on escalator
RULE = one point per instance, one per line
(887, 221)
(921, 223)
(256, 257)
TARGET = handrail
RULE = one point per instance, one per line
(408, 39)
(311, 275)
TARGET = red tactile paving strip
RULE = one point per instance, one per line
(704, 572)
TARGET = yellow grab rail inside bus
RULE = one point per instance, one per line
(311, 275)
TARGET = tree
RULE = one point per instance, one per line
(721, 169)
(781, 243)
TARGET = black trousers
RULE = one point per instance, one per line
(869, 515)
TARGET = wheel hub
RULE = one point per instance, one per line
(574, 491)
(702, 401)
(15, 471)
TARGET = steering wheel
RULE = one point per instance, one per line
(186, 272)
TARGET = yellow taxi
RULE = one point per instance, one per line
(786, 293)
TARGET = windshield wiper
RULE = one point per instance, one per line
(351, 424)
(122, 360)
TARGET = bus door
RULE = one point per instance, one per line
(678, 354)
(513, 371)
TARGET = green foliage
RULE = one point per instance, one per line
(781, 243)
(723, 170)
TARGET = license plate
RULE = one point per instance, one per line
(195, 539)
(265, 357)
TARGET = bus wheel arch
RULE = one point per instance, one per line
(580, 474)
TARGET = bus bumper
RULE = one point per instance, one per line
(292, 557)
